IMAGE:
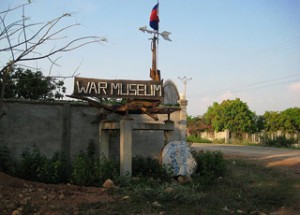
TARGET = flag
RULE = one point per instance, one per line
(154, 18)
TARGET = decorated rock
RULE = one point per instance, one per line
(177, 156)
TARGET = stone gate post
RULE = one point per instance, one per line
(126, 146)
(183, 115)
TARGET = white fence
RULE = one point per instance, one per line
(231, 137)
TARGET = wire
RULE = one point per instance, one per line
(252, 84)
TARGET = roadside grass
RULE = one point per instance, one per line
(246, 188)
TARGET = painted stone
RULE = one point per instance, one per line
(171, 95)
(177, 156)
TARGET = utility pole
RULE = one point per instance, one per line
(184, 80)
(183, 112)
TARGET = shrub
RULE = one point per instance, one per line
(280, 141)
(195, 139)
(88, 170)
(59, 169)
(108, 169)
(37, 167)
(210, 165)
(33, 165)
(84, 172)
(7, 164)
(148, 168)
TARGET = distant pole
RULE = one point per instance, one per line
(183, 112)
(184, 80)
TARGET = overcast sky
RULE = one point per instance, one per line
(247, 49)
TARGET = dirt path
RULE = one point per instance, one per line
(270, 157)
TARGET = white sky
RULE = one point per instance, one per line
(231, 49)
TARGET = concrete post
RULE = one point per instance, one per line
(103, 141)
(169, 134)
(126, 147)
(183, 115)
(66, 137)
(227, 136)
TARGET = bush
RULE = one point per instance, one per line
(148, 168)
(83, 170)
(210, 165)
(37, 167)
(33, 165)
(59, 169)
(88, 170)
(280, 141)
(7, 164)
(195, 139)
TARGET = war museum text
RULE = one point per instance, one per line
(118, 88)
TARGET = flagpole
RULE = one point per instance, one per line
(154, 24)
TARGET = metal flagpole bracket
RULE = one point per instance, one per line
(165, 34)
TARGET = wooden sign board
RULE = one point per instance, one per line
(134, 89)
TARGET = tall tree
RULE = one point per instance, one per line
(26, 84)
(271, 121)
(22, 40)
(234, 115)
(287, 120)
(292, 119)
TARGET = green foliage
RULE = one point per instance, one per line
(108, 169)
(196, 124)
(32, 85)
(88, 170)
(180, 194)
(195, 139)
(59, 169)
(7, 164)
(84, 169)
(287, 120)
(234, 115)
(37, 167)
(33, 165)
(272, 121)
(280, 141)
(210, 165)
(290, 119)
(148, 168)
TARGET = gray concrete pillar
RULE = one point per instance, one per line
(169, 135)
(103, 141)
(227, 136)
(183, 115)
(126, 147)
(66, 136)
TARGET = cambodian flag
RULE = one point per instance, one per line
(154, 18)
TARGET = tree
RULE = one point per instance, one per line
(271, 121)
(23, 41)
(33, 85)
(196, 124)
(234, 115)
(292, 119)
(287, 120)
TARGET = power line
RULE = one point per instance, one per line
(252, 84)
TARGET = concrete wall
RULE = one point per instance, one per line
(67, 127)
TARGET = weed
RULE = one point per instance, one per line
(210, 165)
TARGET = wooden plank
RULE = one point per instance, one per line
(139, 126)
(134, 89)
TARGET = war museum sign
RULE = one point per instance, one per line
(134, 89)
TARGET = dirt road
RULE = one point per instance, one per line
(270, 157)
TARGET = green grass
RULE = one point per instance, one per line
(245, 188)
(195, 139)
